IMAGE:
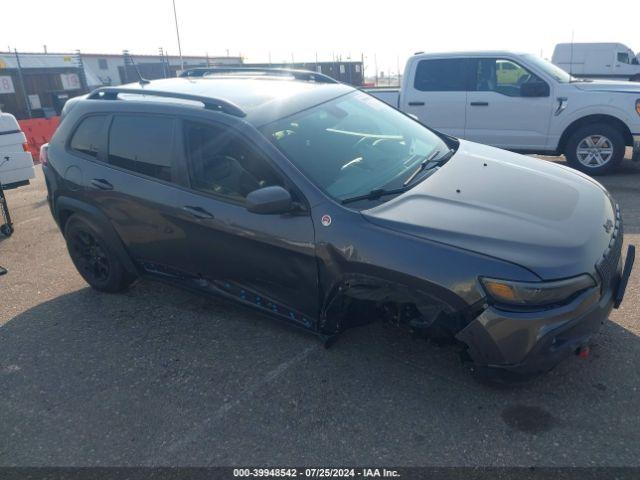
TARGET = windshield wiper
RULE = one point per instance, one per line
(380, 192)
(374, 194)
(429, 160)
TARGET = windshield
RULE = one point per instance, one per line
(354, 144)
(550, 69)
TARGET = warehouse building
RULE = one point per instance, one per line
(34, 85)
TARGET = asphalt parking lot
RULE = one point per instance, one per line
(159, 376)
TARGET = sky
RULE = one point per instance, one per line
(385, 32)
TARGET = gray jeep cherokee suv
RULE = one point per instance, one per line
(319, 205)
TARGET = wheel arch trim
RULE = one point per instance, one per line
(589, 119)
(65, 207)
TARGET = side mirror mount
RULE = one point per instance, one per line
(269, 201)
(535, 89)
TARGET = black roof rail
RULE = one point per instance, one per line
(111, 93)
(306, 75)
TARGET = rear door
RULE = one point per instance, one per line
(438, 95)
(498, 114)
(265, 260)
(132, 178)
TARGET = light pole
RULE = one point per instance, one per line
(175, 17)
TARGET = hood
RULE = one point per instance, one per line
(544, 217)
(609, 86)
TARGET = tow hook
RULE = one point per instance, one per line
(583, 352)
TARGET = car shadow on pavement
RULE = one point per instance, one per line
(161, 376)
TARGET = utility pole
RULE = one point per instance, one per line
(83, 78)
(21, 78)
(164, 67)
(175, 17)
(125, 57)
(375, 66)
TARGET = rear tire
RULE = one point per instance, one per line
(595, 149)
(635, 78)
(93, 258)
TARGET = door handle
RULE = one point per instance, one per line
(198, 212)
(479, 104)
(416, 104)
(101, 184)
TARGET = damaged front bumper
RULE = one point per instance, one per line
(529, 343)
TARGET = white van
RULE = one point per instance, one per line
(16, 163)
(613, 61)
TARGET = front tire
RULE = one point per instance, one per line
(635, 78)
(595, 149)
(92, 257)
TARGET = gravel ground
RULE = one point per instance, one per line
(159, 376)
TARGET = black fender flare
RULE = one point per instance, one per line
(99, 221)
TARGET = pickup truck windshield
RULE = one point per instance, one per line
(354, 144)
(550, 69)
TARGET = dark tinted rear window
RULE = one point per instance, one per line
(443, 75)
(88, 135)
(142, 144)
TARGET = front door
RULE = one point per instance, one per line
(498, 114)
(438, 96)
(265, 260)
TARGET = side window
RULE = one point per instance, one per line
(623, 57)
(501, 76)
(221, 163)
(88, 135)
(441, 75)
(142, 144)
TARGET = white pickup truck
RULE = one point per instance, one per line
(523, 103)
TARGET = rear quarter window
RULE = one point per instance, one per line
(441, 75)
(88, 136)
(142, 144)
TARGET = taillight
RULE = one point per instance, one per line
(44, 158)
(25, 147)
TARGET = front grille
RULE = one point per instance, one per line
(607, 266)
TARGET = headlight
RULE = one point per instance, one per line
(535, 294)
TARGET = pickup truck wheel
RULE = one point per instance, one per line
(93, 258)
(595, 149)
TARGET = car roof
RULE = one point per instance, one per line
(480, 53)
(263, 99)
